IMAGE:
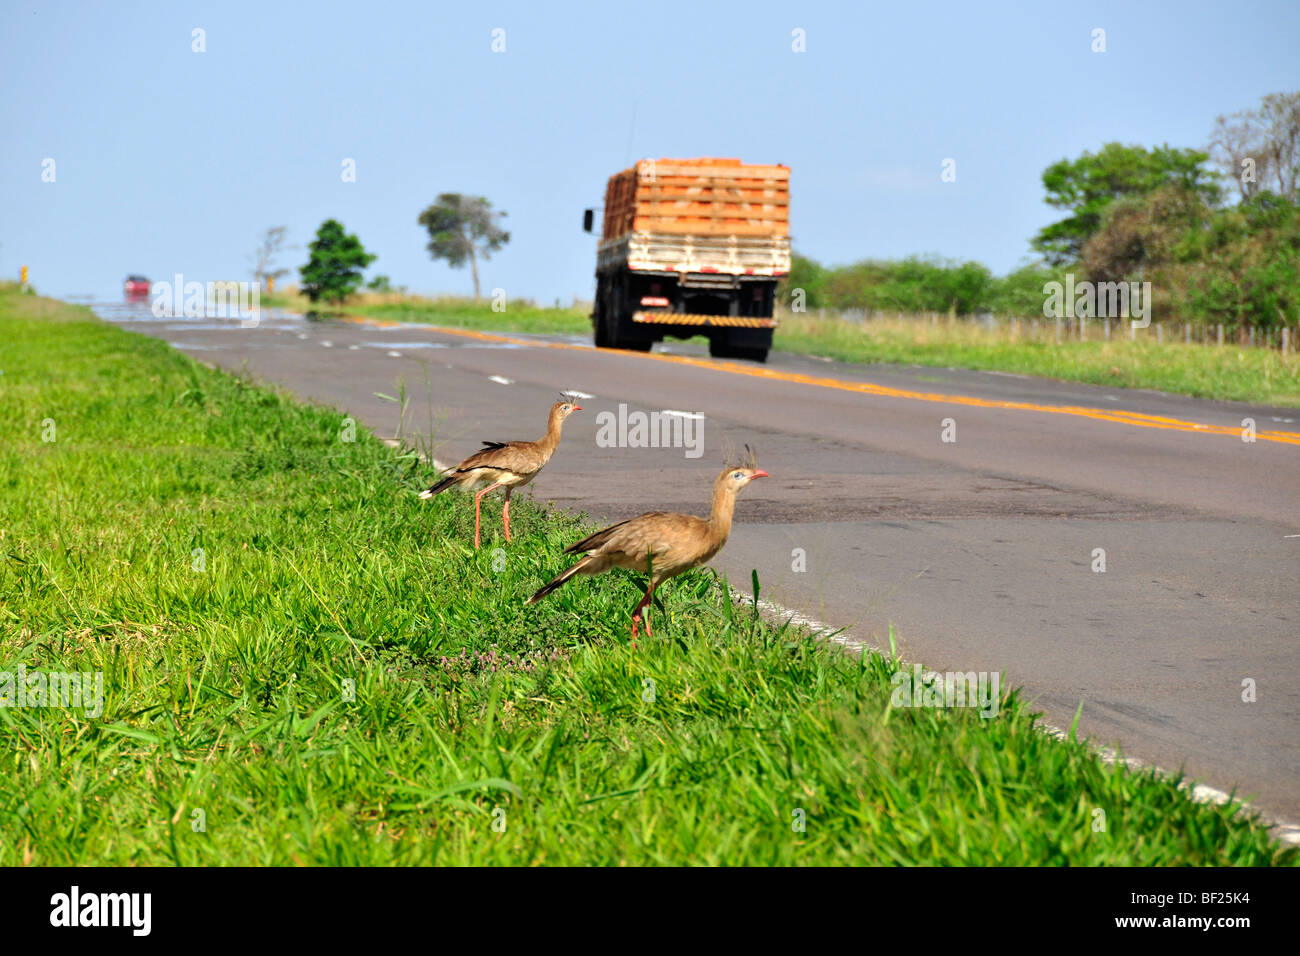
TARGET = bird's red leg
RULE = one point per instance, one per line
(636, 615)
(505, 514)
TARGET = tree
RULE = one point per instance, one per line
(461, 228)
(1280, 114)
(333, 269)
(1267, 139)
(1139, 234)
(808, 275)
(264, 255)
(1087, 185)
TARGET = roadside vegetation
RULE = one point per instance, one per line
(304, 664)
(1229, 372)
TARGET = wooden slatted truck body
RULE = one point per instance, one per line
(692, 247)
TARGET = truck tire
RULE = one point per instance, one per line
(621, 331)
(599, 319)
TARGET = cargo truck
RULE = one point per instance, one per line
(692, 247)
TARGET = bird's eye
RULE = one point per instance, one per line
(737, 475)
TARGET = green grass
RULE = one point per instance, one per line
(228, 684)
(1205, 371)
(1228, 373)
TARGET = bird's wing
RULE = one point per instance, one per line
(516, 457)
(667, 540)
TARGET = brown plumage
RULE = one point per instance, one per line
(661, 543)
(507, 465)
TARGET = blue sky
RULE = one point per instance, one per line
(167, 160)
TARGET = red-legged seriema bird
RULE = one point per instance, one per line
(507, 465)
(661, 543)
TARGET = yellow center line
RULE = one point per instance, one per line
(1119, 416)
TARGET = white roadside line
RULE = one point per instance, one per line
(501, 380)
(672, 411)
(1284, 832)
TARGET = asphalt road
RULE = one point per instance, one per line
(978, 552)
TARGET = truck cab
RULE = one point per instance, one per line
(692, 247)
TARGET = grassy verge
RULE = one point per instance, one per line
(1229, 373)
(1205, 371)
(304, 664)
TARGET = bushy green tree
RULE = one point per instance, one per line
(1087, 185)
(808, 275)
(334, 265)
(914, 284)
(1020, 292)
(1247, 265)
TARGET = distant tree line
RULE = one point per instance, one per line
(1159, 215)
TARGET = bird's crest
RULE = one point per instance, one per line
(733, 458)
(570, 397)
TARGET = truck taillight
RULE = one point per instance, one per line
(653, 300)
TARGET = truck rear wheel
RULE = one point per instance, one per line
(599, 320)
(615, 329)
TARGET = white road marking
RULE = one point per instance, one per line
(1284, 832)
(326, 343)
(673, 411)
(580, 394)
(395, 354)
(501, 380)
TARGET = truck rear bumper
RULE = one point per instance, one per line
(686, 318)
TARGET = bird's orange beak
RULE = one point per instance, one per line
(577, 408)
(759, 474)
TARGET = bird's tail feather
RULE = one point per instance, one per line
(559, 582)
(442, 485)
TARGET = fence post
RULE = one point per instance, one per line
(1252, 336)
(1160, 334)
(1286, 334)
(1220, 333)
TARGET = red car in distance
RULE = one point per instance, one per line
(137, 287)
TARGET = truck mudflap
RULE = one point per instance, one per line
(686, 318)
